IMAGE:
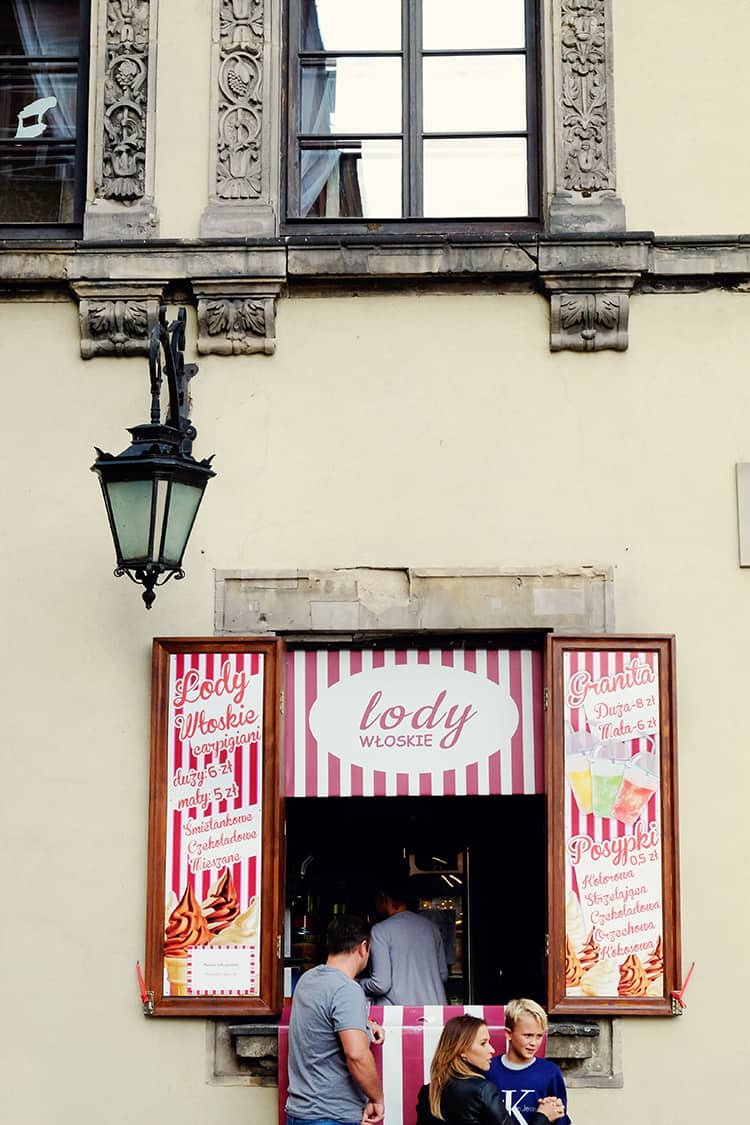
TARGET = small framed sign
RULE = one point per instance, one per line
(612, 805)
(214, 879)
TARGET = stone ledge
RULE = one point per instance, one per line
(587, 1052)
(680, 261)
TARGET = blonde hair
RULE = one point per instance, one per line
(515, 1009)
(458, 1035)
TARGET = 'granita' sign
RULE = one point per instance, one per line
(612, 746)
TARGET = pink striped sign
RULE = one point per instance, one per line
(613, 845)
(403, 1060)
(413, 722)
(213, 821)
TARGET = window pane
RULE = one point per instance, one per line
(37, 183)
(39, 27)
(184, 501)
(474, 94)
(475, 23)
(358, 179)
(36, 102)
(351, 96)
(351, 25)
(477, 177)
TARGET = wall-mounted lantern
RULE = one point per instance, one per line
(153, 489)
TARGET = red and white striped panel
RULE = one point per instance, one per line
(515, 766)
(246, 773)
(597, 664)
(403, 1061)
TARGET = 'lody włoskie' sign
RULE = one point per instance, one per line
(214, 813)
(611, 741)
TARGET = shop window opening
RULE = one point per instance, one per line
(475, 865)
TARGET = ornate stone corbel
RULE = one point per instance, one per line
(245, 120)
(125, 49)
(116, 318)
(585, 197)
(235, 318)
(589, 314)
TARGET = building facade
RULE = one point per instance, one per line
(433, 409)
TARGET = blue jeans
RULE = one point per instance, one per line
(317, 1121)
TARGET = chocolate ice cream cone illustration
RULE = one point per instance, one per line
(633, 980)
(222, 906)
(186, 926)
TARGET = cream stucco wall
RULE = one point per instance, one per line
(431, 430)
(680, 100)
(182, 115)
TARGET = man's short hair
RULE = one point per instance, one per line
(396, 887)
(345, 932)
(515, 1009)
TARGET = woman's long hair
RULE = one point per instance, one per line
(458, 1035)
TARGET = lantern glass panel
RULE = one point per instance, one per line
(130, 501)
(184, 501)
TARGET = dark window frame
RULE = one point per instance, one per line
(411, 134)
(37, 231)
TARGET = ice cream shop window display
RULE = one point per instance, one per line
(526, 784)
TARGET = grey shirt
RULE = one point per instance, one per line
(407, 961)
(325, 1002)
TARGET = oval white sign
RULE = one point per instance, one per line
(413, 718)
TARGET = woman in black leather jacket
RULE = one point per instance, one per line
(458, 1092)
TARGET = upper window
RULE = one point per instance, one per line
(412, 110)
(42, 98)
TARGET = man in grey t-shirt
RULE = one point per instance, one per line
(332, 1075)
(407, 956)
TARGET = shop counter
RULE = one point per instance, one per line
(403, 1060)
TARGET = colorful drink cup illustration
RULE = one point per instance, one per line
(607, 771)
(639, 784)
(579, 747)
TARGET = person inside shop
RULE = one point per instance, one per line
(523, 1079)
(407, 955)
(332, 1073)
(459, 1093)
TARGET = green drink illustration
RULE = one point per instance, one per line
(607, 771)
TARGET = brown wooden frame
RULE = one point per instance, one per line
(269, 1000)
(558, 1002)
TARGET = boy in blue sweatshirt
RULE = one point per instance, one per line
(522, 1078)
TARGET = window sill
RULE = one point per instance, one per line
(588, 1052)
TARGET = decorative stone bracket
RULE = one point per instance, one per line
(236, 318)
(589, 313)
(116, 319)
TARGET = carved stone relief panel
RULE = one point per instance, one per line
(245, 113)
(236, 319)
(125, 54)
(585, 197)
